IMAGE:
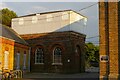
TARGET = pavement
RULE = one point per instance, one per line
(85, 76)
(91, 73)
(92, 69)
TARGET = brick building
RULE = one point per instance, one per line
(14, 51)
(109, 24)
(56, 41)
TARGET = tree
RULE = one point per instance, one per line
(6, 16)
(92, 53)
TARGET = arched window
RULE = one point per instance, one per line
(77, 50)
(39, 56)
(57, 55)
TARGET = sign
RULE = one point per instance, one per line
(104, 58)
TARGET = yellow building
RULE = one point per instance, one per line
(14, 51)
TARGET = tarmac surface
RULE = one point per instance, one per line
(90, 74)
(48, 76)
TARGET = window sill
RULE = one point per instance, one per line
(57, 63)
(39, 63)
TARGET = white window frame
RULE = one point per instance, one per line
(57, 63)
(41, 58)
(6, 60)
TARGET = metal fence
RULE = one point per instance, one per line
(12, 74)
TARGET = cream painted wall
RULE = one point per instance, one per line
(57, 24)
(77, 22)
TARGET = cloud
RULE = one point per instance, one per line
(36, 9)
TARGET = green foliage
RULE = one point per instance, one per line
(92, 53)
(6, 16)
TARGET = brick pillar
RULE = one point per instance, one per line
(109, 40)
(103, 31)
(113, 41)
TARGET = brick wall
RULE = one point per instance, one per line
(109, 39)
(68, 42)
(113, 40)
(103, 38)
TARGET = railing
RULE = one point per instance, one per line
(12, 74)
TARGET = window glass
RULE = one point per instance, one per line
(39, 57)
(57, 55)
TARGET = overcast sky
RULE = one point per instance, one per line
(25, 8)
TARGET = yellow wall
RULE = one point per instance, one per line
(7, 45)
(0, 55)
(12, 48)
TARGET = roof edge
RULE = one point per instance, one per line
(7, 38)
(50, 12)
